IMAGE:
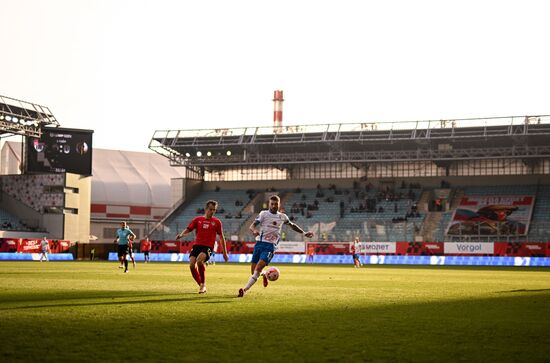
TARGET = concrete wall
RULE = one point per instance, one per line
(97, 228)
(27, 235)
(78, 191)
(177, 188)
(184, 189)
(53, 223)
(9, 159)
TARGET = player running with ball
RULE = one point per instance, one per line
(267, 230)
(206, 228)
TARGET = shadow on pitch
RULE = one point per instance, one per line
(523, 290)
(224, 301)
(500, 328)
(63, 295)
(117, 301)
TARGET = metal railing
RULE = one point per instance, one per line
(24, 118)
(235, 134)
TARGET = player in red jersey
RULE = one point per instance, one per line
(206, 227)
(146, 248)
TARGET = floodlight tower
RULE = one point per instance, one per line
(19, 117)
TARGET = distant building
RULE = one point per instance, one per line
(139, 187)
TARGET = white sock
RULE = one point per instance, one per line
(252, 280)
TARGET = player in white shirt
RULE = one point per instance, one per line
(212, 260)
(45, 247)
(267, 230)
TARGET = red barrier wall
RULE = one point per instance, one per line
(8, 244)
(23, 245)
(420, 248)
(165, 246)
(524, 249)
(516, 249)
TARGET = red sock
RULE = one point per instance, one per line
(195, 274)
(202, 272)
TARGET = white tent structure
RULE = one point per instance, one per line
(126, 182)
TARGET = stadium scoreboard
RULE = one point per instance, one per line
(60, 150)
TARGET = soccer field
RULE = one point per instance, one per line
(91, 311)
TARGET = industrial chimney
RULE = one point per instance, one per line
(278, 111)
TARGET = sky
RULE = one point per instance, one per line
(128, 68)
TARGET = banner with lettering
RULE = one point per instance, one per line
(291, 247)
(495, 215)
(377, 247)
(469, 248)
(29, 246)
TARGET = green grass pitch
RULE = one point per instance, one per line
(91, 311)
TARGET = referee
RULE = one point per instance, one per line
(122, 240)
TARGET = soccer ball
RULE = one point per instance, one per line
(272, 273)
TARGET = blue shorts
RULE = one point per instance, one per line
(263, 251)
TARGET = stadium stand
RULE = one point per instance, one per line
(450, 158)
(379, 182)
(40, 191)
(231, 211)
(372, 213)
(540, 223)
(332, 213)
(9, 222)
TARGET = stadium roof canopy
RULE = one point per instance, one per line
(442, 140)
(24, 118)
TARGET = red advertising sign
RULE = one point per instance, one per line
(240, 247)
(165, 246)
(522, 249)
(186, 246)
(9, 244)
(29, 246)
(333, 248)
(419, 248)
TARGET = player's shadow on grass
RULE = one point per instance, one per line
(225, 301)
(191, 297)
(75, 295)
(523, 290)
